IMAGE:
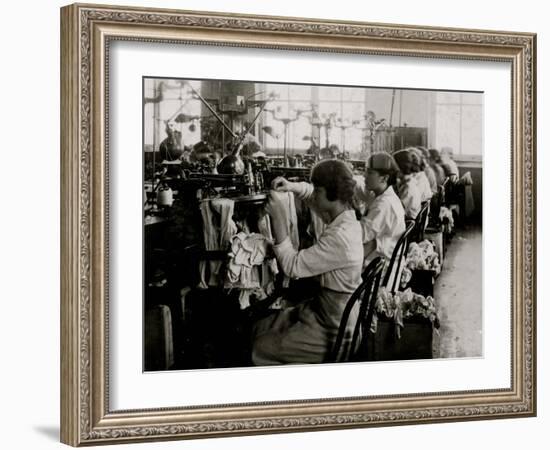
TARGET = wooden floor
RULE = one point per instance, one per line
(458, 291)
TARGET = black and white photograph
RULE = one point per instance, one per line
(275, 225)
(308, 224)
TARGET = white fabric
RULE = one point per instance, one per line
(410, 196)
(292, 219)
(303, 190)
(423, 186)
(292, 223)
(248, 269)
(247, 250)
(217, 236)
(384, 224)
(336, 258)
(209, 229)
(224, 207)
(247, 254)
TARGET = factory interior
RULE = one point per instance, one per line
(214, 152)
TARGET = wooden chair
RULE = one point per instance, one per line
(366, 294)
(455, 199)
(420, 223)
(437, 201)
(397, 259)
(416, 339)
(434, 229)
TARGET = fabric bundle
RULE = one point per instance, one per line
(218, 229)
(404, 305)
(421, 256)
(287, 199)
(248, 268)
(291, 223)
(247, 251)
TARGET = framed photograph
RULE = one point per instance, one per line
(276, 224)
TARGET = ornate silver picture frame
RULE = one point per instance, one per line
(87, 34)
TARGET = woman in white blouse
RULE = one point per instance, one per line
(428, 169)
(407, 187)
(384, 222)
(420, 176)
(306, 333)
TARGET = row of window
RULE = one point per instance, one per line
(299, 113)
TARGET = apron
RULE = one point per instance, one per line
(305, 333)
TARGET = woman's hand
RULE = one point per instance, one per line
(281, 184)
(278, 211)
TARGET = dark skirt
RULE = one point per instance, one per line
(304, 334)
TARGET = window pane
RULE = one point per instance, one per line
(354, 140)
(300, 93)
(279, 89)
(297, 131)
(148, 125)
(353, 111)
(149, 88)
(176, 105)
(326, 108)
(447, 133)
(469, 98)
(353, 94)
(448, 97)
(414, 109)
(281, 109)
(330, 93)
(472, 134)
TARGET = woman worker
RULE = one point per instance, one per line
(407, 189)
(384, 222)
(435, 163)
(427, 168)
(448, 164)
(306, 333)
(420, 176)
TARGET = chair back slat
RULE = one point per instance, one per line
(420, 223)
(400, 250)
(367, 313)
(366, 293)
